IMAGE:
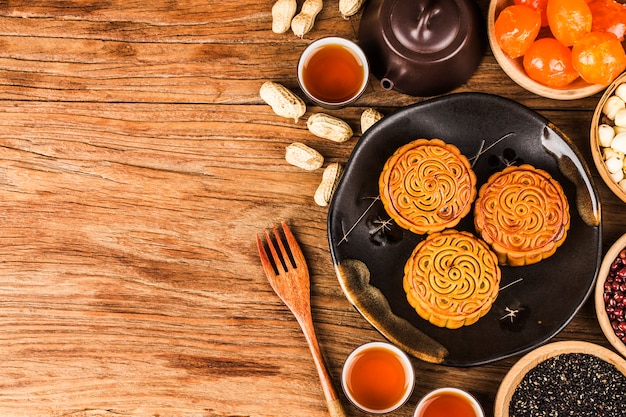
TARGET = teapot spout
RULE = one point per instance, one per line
(386, 83)
(392, 74)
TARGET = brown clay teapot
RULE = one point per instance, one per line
(422, 47)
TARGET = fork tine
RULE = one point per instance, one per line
(283, 251)
(277, 261)
(265, 260)
(282, 260)
(296, 252)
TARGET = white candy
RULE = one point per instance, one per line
(620, 91)
(614, 164)
(618, 176)
(620, 118)
(619, 142)
(606, 134)
(608, 153)
(612, 138)
(612, 105)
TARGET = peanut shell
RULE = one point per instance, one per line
(303, 156)
(283, 12)
(303, 22)
(282, 100)
(349, 8)
(326, 189)
(329, 127)
(368, 118)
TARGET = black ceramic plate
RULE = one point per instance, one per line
(369, 251)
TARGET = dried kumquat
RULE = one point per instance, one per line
(582, 25)
(539, 5)
(549, 62)
(516, 28)
(599, 57)
(608, 16)
(569, 19)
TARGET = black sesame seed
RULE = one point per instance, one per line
(571, 384)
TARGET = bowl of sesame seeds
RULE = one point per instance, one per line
(568, 378)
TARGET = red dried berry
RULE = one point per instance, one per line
(615, 295)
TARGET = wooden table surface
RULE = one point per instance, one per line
(137, 163)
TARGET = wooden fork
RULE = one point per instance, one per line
(289, 277)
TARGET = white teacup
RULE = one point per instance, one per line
(448, 401)
(378, 377)
(333, 72)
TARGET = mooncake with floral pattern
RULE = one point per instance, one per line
(523, 214)
(427, 186)
(452, 278)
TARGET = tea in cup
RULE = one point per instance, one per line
(378, 377)
(444, 402)
(333, 72)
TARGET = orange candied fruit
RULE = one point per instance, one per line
(608, 16)
(516, 28)
(539, 5)
(569, 19)
(599, 57)
(549, 62)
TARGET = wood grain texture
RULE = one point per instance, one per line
(137, 163)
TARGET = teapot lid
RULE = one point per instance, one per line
(422, 47)
(419, 28)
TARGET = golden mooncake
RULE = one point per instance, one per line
(452, 279)
(523, 213)
(427, 186)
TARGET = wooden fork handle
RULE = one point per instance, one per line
(333, 402)
(335, 409)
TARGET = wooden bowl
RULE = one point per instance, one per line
(596, 151)
(515, 69)
(515, 375)
(603, 317)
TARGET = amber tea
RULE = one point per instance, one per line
(378, 378)
(447, 402)
(333, 72)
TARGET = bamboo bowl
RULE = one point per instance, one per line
(596, 151)
(517, 373)
(603, 317)
(515, 69)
